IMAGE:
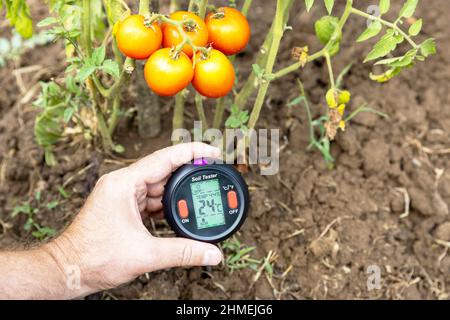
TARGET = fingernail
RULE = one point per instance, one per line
(212, 257)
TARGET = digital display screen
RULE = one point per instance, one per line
(208, 204)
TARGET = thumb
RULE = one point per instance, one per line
(178, 252)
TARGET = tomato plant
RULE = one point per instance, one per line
(167, 75)
(135, 39)
(97, 35)
(229, 30)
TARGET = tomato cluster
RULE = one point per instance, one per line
(170, 68)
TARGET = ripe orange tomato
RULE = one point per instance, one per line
(137, 41)
(198, 34)
(213, 77)
(167, 76)
(228, 29)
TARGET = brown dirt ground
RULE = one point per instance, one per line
(359, 203)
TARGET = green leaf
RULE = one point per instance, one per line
(49, 156)
(25, 208)
(47, 21)
(85, 72)
(114, 10)
(329, 4)
(73, 34)
(98, 56)
(111, 67)
(325, 28)
(43, 232)
(388, 61)
(372, 31)
(296, 101)
(386, 44)
(18, 13)
(64, 193)
(119, 148)
(237, 119)
(385, 5)
(428, 47)
(415, 28)
(258, 70)
(27, 226)
(24, 26)
(52, 204)
(309, 4)
(68, 113)
(388, 75)
(409, 8)
(400, 62)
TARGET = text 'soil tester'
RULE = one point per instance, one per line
(206, 201)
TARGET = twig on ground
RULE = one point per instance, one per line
(407, 201)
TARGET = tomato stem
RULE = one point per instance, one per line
(218, 116)
(278, 32)
(246, 7)
(330, 69)
(144, 7)
(178, 114)
(202, 6)
(252, 82)
(201, 111)
(93, 83)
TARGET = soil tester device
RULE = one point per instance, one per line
(206, 201)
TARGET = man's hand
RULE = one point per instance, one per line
(108, 243)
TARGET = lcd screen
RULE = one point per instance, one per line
(208, 204)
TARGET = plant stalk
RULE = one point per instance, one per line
(330, 69)
(201, 111)
(203, 4)
(278, 33)
(252, 82)
(218, 116)
(246, 7)
(178, 113)
(144, 7)
(107, 142)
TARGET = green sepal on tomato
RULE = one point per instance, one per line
(196, 32)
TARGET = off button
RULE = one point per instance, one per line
(183, 210)
(232, 200)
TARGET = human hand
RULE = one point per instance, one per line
(108, 241)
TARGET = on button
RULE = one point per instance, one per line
(183, 210)
(232, 200)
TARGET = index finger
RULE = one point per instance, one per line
(162, 163)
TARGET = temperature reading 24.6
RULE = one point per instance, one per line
(208, 204)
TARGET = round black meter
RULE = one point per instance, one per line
(206, 201)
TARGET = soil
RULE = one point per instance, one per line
(383, 205)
